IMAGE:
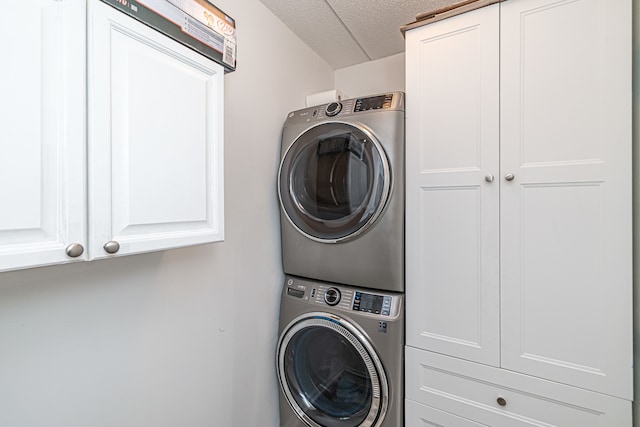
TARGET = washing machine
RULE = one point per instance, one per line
(340, 356)
(341, 191)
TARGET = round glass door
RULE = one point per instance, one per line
(334, 181)
(330, 375)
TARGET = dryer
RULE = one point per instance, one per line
(340, 356)
(341, 191)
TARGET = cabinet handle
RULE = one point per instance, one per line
(74, 250)
(502, 401)
(111, 247)
(489, 178)
(509, 177)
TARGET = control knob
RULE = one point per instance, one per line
(332, 296)
(333, 109)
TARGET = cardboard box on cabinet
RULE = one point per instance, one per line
(197, 24)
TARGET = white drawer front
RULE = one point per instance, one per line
(418, 415)
(472, 391)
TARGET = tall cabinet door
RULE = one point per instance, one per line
(42, 122)
(155, 146)
(566, 192)
(452, 234)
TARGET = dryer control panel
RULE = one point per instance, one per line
(348, 107)
(373, 103)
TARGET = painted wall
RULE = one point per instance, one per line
(183, 337)
(636, 206)
(382, 75)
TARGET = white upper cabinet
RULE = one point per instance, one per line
(42, 149)
(519, 196)
(133, 165)
(155, 139)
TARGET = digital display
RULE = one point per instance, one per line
(373, 103)
(370, 303)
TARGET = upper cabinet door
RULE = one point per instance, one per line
(155, 141)
(452, 186)
(566, 212)
(42, 178)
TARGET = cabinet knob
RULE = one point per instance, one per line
(74, 250)
(489, 178)
(501, 401)
(509, 177)
(111, 247)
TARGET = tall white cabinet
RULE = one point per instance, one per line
(112, 137)
(519, 287)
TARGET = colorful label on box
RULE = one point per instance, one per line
(199, 19)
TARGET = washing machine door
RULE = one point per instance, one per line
(334, 181)
(330, 374)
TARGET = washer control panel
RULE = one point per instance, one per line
(368, 302)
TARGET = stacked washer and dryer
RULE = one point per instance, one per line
(341, 335)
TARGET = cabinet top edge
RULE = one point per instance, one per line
(459, 8)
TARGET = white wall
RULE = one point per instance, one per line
(382, 75)
(184, 337)
(636, 206)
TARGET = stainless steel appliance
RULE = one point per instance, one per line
(341, 190)
(340, 356)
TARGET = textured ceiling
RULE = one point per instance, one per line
(349, 32)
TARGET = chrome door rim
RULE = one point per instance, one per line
(380, 385)
(386, 191)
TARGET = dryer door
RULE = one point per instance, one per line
(330, 374)
(334, 181)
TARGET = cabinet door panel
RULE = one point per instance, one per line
(156, 150)
(42, 120)
(452, 210)
(566, 217)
